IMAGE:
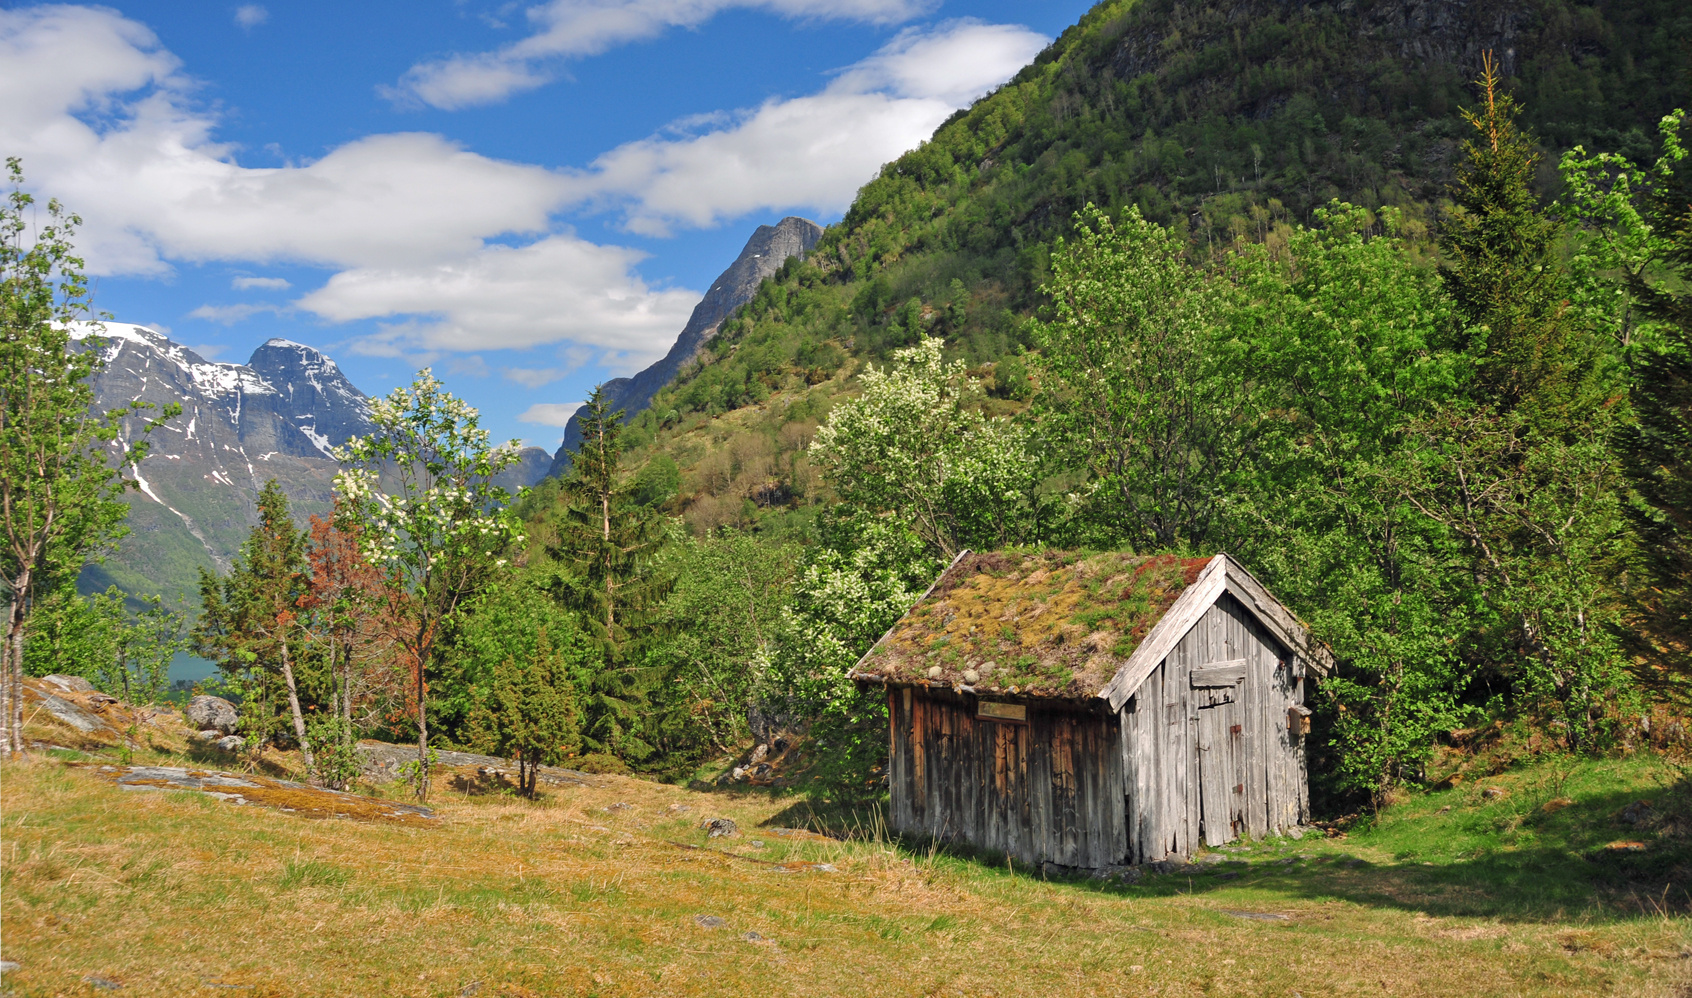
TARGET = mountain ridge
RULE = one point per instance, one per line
(765, 251)
(278, 416)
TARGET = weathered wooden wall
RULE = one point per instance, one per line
(1048, 790)
(1209, 763)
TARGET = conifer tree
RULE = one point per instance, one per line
(1499, 254)
(606, 540)
(1657, 452)
(530, 713)
(250, 622)
(1519, 468)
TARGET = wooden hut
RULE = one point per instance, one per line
(1096, 710)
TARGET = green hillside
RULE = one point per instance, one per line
(1230, 122)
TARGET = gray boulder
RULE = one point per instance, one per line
(213, 712)
(232, 743)
(70, 684)
(71, 714)
(208, 735)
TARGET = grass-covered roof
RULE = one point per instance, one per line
(1046, 623)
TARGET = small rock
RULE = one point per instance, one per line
(824, 868)
(620, 806)
(208, 735)
(759, 753)
(709, 921)
(1295, 833)
(103, 983)
(1259, 916)
(757, 844)
(1212, 858)
(469, 989)
(213, 712)
(1132, 875)
(719, 827)
(1637, 813)
(1492, 793)
(971, 677)
(70, 684)
(678, 809)
(7, 966)
(761, 770)
(753, 937)
(934, 672)
(739, 773)
(232, 743)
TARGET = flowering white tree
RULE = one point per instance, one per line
(420, 491)
(915, 444)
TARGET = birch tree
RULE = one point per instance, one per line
(60, 461)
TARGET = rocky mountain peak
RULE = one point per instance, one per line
(764, 253)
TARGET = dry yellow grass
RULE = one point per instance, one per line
(176, 893)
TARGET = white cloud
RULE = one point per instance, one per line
(260, 283)
(104, 120)
(501, 297)
(251, 15)
(230, 314)
(533, 377)
(550, 413)
(416, 227)
(815, 151)
(567, 28)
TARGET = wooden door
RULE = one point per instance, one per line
(1221, 750)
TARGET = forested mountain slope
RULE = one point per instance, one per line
(1230, 122)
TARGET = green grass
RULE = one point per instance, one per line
(573, 895)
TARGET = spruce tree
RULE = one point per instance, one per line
(1499, 251)
(1657, 451)
(1518, 466)
(606, 540)
(529, 714)
(250, 620)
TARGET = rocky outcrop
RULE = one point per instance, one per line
(208, 713)
(769, 248)
(253, 789)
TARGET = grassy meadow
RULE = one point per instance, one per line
(612, 889)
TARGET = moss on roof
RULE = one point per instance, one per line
(1047, 623)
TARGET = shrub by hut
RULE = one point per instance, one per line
(1092, 710)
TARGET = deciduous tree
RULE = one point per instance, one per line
(419, 490)
(60, 461)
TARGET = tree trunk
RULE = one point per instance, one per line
(422, 735)
(11, 657)
(294, 706)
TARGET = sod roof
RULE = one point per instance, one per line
(1046, 623)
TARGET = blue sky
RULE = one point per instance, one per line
(528, 196)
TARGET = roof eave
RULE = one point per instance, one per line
(1223, 574)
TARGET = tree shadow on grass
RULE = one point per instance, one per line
(1539, 865)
